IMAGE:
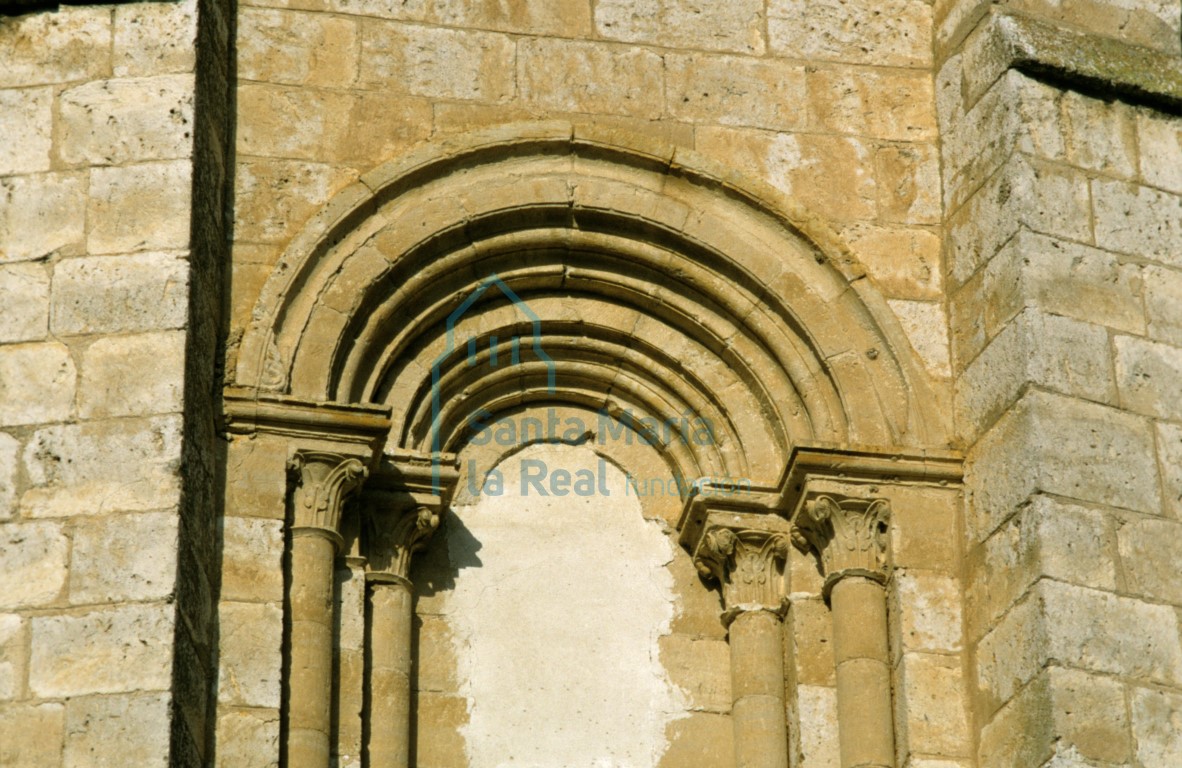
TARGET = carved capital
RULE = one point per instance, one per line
(747, 563)
(393, 535)
(848, 534)
(321, 483)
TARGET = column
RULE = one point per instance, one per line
(745, 553)
(395, 531)
(323, 481)
(850, 537)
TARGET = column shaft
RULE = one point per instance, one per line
(757, 681)
(866, 723)
(388, 745)
(313, 551)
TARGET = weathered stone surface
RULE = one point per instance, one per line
(1138, 220)
(1149, 377)
(13, 655)
(123, 558)
(139, 208)
(136, 375)
(438, 63)
(908, 180)
(248, 737)
(1157, 726)
(927, 609)
(103, 466)
(105, 651)
(279, 46)
(24, 294)
(1163, 304)
(133, 727)
(109, 122)
(31, 734)
(933, 702)
(700, 738)
(32, 564)
(583, 77)
(1149, 550)
(817, 708)
(439, 738)
(10, 449)
(1100, 136)
(27, 120)
(896, 33)
(112, 294)
(155, 39)
(275, 197)
(811, 633)
(735, 26)
(870, 102)
(903, 262)
(926, 327)
(41, 214)
(1160, 142)
(55, 47)
(252, 559)
(735, 90)
(37, 383)
(701, 668)
(1169, 446)
(249, 665)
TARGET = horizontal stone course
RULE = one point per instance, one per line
(733, 26)
(33, 559)
(56, 47)
(124, 558)
(120, 293)
(24, 294)
(37, 383)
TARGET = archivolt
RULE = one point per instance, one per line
(661, 291)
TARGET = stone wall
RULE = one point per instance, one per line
(97, 414)
(1064, 228)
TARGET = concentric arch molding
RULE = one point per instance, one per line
(659, 285)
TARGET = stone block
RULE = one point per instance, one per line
(735, 26)
(933, 717)
(113, 650)
(438, 63)
(903, 262)
(1149, 377)
(26, 118)
(1169, 448)
(576, 76)
(136, 375)
(927, 609)
(110, 122)
(1159, 138)
(926, 326)
(833, 173)
(1049, 351)
(41, 215)
(810, 632)
(908, 183)
(123, 558)
(817, 709)
(437, 738)
(435, 656)
(1101, 136)
(10, 449)
(701, 669)
(250, 660)
(103, 466)
(1150, 551)
(1157, 726)
(14, 663)
(701, 738)
(735, 90)
(700, 604)
(37, 383)
(55, 47)
(274, 198)
(279, 46)
(1163, 304)
(1138, 220)
(880, 104)
(896, 33)
(116, 294)
(33, 559)
(155, 39)
(24, 294)
(139, 207)
(924, 531)
(252, 559)
(261, 464)
(561, 18)
(132, 730)
(31, 734)
(248, 737)
(1063, 446)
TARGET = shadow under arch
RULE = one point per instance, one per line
(661, 283)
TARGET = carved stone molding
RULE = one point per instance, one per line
(848, 534)
(393, 536)
(322, 483)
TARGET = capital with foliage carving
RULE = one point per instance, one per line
(748, 564)
(393, 534)
(848, 534)
(322, 483)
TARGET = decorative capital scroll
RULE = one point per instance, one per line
(322, 482)
(394, 535)
(748, 564)
(848, 534)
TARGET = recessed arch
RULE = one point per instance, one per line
(662, 285)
